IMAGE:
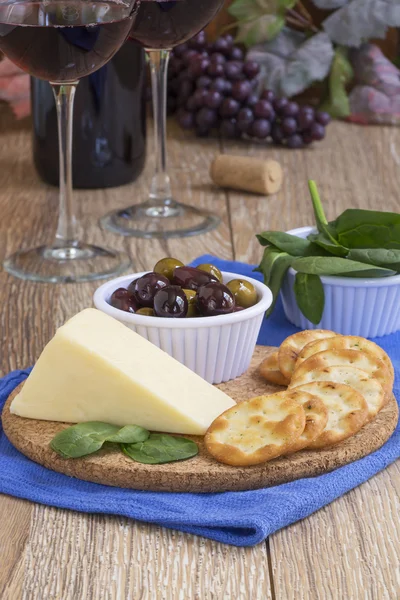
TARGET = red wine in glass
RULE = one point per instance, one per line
(166, 23)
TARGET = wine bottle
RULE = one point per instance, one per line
(109, 136)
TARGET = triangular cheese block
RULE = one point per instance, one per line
(96, 369)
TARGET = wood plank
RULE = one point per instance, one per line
(350, 548)
(77, 556)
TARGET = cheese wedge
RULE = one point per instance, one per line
(96, 369)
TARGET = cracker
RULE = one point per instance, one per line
(316, 419)
(346, 342)
(269, 369)
(257, 430)
(347, 411)
(361, 381)
(294, 344)
(349, 358)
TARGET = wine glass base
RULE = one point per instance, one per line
(167, 221)
(75, 263)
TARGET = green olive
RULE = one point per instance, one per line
(212, 269)
(244, 292)
(192, 304)
(146, 310)
(166, 267)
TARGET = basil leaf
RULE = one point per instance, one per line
(130, 434)
(332, 265)
(85, 438)
(322, 224)
(285, 242)
(321, 240)
(358, 228)
(310, 296)
(161, 448)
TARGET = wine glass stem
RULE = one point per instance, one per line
(160, 189)
(66, 235)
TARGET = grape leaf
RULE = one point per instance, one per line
(360, 20)
(259, 20)
(292, 61)
(330, 4)
(337, 104)
(310, 296)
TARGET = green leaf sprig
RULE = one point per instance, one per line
(359, 243)
(135, 441)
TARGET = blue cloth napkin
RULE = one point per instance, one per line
(239, 518)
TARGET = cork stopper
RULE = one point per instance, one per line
(247, 173)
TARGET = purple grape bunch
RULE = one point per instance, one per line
(212, 88)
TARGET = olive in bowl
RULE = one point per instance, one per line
(171, 302)
(145, 288)
(244, 292)
(166, 266)
(215, 299)
(191, 278)
(124, 300)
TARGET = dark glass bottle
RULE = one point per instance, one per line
(109, 139)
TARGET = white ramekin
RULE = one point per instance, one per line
(216, 348)
(353, 305)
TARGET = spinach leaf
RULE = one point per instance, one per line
(161, 448)
(310, 296)
(332, 265)
(321, 240)
(270, 255)
(358, 228)
(382, 257)
(85, 438)
(285, 242)
(322, 224)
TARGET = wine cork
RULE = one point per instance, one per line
(247, 173)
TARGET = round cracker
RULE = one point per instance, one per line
(269, 369)
(348, 358)
(294, 344)
(361, 381)
(346, 342)
(347, 411)
(316, 419)
(257, 430)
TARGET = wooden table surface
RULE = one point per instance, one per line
(348, 550)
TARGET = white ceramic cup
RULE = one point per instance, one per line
(216, 348)
(367, 307)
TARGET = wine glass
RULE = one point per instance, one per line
(161, 25)
(61, 41)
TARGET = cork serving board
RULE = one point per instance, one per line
(201, 473)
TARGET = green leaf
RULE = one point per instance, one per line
(381, 257)
(332, 265)
(358, 228)
(329, 4)
(259, 20)
(259, 30)
(270, 255)
(337, 104)
(361, 20)
(321, 240)
(85, 438)
(310, 296)
(293, 60)
(323, 226)
(286, 242)
(161, 448)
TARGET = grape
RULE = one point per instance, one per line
(260, 128)
(280, 104)
(263, 110)
(198, 67)
(180, 50)
(222, 45)
(295, 141)
(175, 66)
(213, 99)
(202, 131)
(305, 118)
(267, 95)
(171, 105)
(185, 90)
(228, 87)
(252, 100)
(185, 119)
(183, 75)
(236, 53)
(197, 100)
(229, 128)
(217, 57)
(317, 131)
(289, 125)
(277, 134)
(322, 117)
(229, 40)
(206, 117)
(203, 82)
(173, 85)
(218, 84)
(216, 70)
(290, 110)
(188, 55)
(251, 69)
(244, 119)
(307, 137)
(198, 42)
(241, 90)
(229, 107)
(234, 70)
